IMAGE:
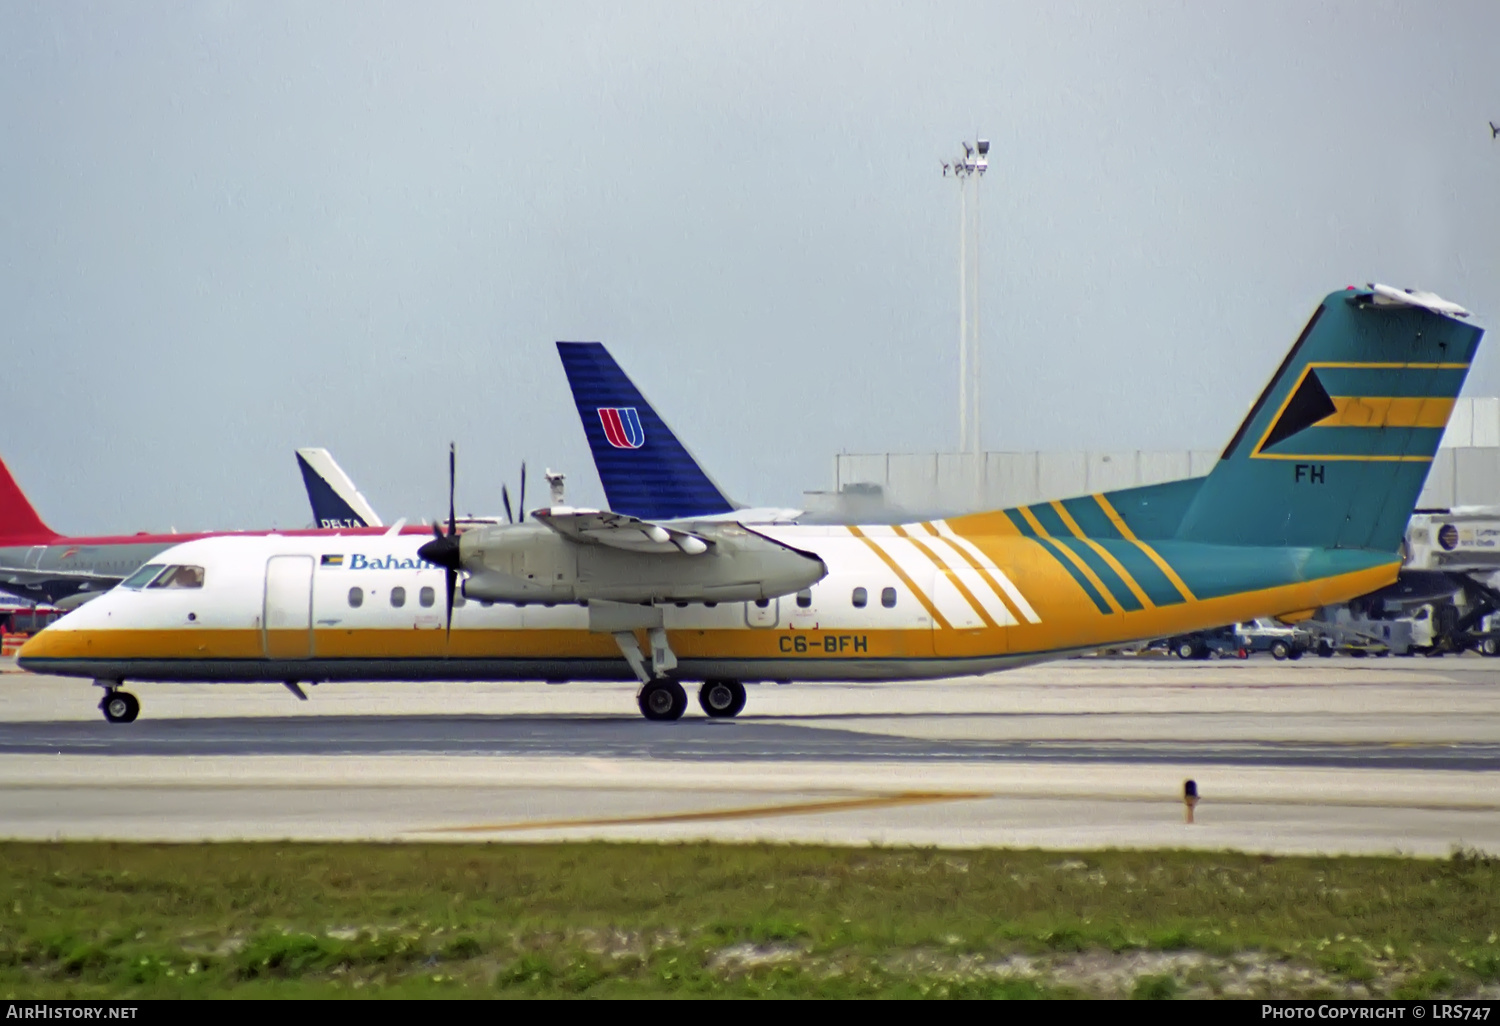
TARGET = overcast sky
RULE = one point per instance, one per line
(229, 229)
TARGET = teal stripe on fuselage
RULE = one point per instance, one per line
(1147, 574)
(1020, 522)
(1055, 548)
(1359, 441)
(1090, 518)
(1366, 382)
(1050, 519)
(1024, 526)
(1096, 525)
(1106, 574)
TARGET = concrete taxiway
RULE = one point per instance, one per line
(1333, 756)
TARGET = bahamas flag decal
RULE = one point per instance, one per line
(1373, 412)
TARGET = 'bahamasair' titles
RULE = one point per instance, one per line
(359, 561)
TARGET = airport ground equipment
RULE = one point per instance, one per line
(1305, 508)
(1283, 641)
(1224, 642)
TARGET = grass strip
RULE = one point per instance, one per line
(601, 919)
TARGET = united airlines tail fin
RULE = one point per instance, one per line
(335, 500)
(1335, 451)
(19, 522)
(645, 470)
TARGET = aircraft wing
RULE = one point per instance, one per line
(30, 575)
(620, 531)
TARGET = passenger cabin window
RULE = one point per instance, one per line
(398, 597)
(763, 603)
(143, 576)
(427, 597)
(804, 598)
(356, 597)
(888, 598)
(179, 577)
(859, 598)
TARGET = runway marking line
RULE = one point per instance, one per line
(881, 801)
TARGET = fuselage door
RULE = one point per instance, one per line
(287, 615)
(762, 613)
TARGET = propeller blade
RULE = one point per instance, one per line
(452, 473)
(450, 577)
(522, 503)
(505, 495)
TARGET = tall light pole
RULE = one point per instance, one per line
(968, 170)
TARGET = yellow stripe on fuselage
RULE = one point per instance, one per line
(1073, 557)
(901, 575)
(1151, 554)
(1072, 623)
(943, 568)
(985, 565)
(1104, 554)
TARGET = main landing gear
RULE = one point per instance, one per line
(664, 699)
(119, 706)
(722, 699)
(661, 697)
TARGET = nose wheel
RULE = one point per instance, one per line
(722, 699)
(662, 699)
(120, 706)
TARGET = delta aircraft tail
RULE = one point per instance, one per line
(335, 500)
(645, 470)
(19, 522)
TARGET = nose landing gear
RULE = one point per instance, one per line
(119, 706)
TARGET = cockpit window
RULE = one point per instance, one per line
(142, 577)
(179, 577)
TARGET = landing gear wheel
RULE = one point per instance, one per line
(120, 707)
(722, 699)
(662, 699)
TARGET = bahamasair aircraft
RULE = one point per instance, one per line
(1305, 508)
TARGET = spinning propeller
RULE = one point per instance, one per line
(443, 549)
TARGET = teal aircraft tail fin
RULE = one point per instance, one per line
(1335, 451)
